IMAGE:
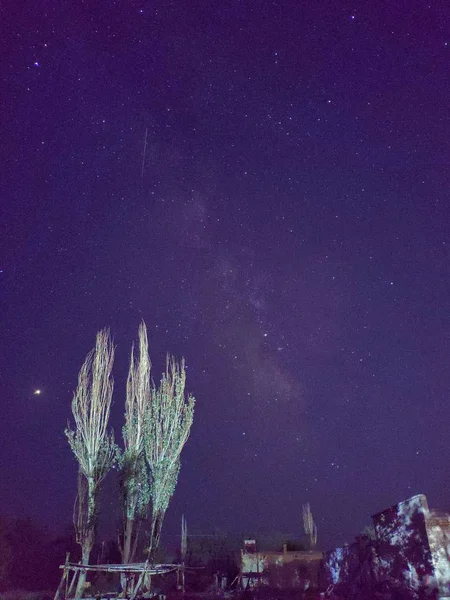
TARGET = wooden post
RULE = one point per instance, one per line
(72, 583)
(63, 577)
(139, 583)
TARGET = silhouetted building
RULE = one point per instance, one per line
(285, 569)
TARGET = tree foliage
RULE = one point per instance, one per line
(309, 526)
(91, 441)
(167, 426)
(158, 420)
(134, 475)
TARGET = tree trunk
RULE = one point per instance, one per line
(126, 580)
(85, 553)
(155, 535)
(127, 542)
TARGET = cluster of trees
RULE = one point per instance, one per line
(158, 420)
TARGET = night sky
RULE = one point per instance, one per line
(266, 184)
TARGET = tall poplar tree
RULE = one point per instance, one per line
(309, 526)
(91, 441)
(167, 426)
(134, 474)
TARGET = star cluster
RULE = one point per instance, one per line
(267, 186)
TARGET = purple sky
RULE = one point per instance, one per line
(288, 234)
